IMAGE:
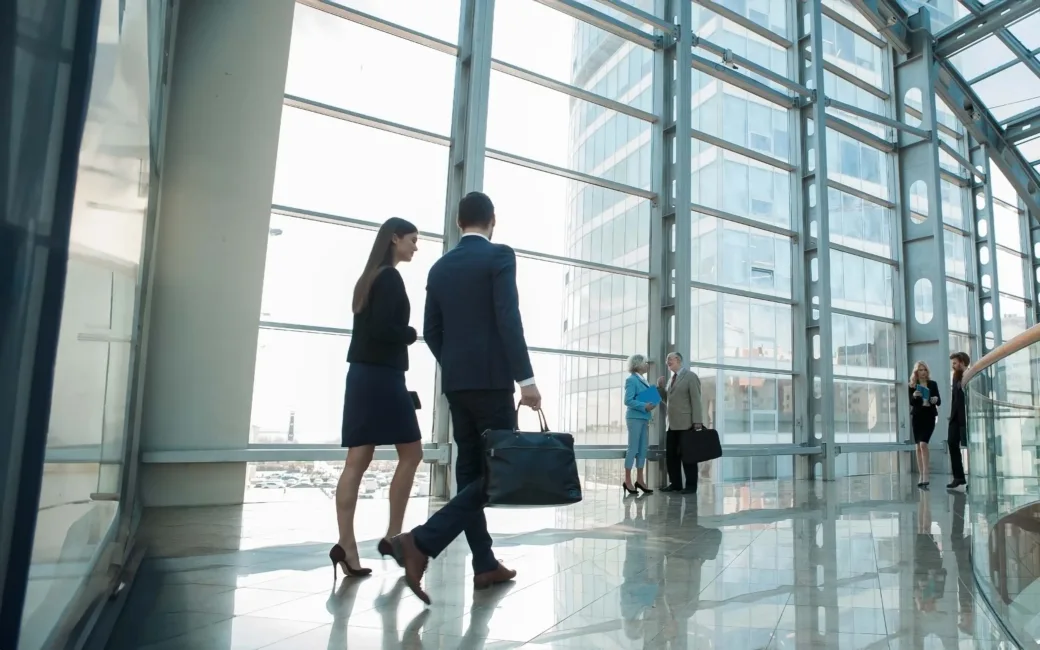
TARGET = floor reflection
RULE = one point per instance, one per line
(858, 563)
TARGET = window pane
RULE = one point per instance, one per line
(314, 482)
(957, 301)
(861, 285)
(1012, 319)
(341, 63)
(860, 224)
(955, 247)
(578, 309)
(1007, 226)
(341, 168)
(1010, 271)
(748, 407)
(747, 188)
(582, 395)
(738, 331)
(751, 259)
(600, 145)
(863, 348)
(865, 412)
(437, 18)
(581, 55)
(551, 214)
(312, 267)
(299, 382)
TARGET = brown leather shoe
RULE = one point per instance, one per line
(414, 562)
(489, 579)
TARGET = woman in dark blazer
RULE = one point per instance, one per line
(377, 407)
(924, 403)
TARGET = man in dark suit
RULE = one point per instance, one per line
(473, 327)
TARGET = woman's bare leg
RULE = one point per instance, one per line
(358, 459)
(409, 456)
(925, 460)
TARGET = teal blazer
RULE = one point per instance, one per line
(634, 385)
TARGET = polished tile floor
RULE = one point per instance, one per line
(867, 562)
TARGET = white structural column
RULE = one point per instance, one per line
(817, 383)
(223, 124)
(920, 213)
(465, 170)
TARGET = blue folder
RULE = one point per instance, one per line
(649, 395)
(924, 392)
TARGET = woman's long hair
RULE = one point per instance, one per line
(382, 255)
(920, 365)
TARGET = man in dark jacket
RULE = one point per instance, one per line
(473, 327)
(956, 434)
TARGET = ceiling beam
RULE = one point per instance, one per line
(1023, 125)
(889, 18)
(1022, 55)
(971, 29)
(969, 109)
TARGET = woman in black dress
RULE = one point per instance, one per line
(377, 407)
(924, 403)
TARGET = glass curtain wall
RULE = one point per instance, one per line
(865, 252)
(569, 166)
(84, 493)
(742, 244)
(354, 150)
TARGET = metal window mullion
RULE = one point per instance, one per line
(570, 90)
(721, 72)
(815, 245)
(743, 293)
(873, 117)
(465, 168)
(803, 465)
(601, 20)
(659, 302)
(923, 251)
(681, 177)
(1033, 226)
(743, 21)
(984, 214)
(1028, 274)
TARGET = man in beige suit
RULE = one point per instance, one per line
(682, 394)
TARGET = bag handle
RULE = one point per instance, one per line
(542, 421)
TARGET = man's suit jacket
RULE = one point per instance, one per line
(472, 322)
(684, 400)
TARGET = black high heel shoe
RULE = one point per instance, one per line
(386, 549)
(339, 559)
(645, 490)
(628, 491)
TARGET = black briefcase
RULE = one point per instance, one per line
(700, 445)
(530, 469)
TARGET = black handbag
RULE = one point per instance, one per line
(700, 445)
(530, 469)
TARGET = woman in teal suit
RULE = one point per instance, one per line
(637, 417)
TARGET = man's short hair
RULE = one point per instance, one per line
(476, 210)
(677, 355)
(962, 357)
